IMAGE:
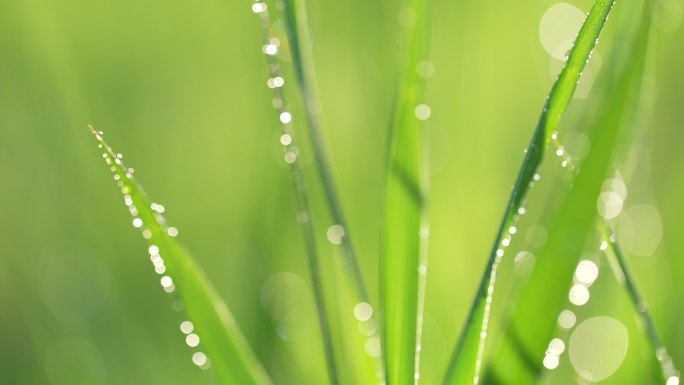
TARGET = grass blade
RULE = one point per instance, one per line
(352, 294)
(609, 245)
(626, 278)
(300, 191)
(403, 254)
(466, 360)
(221, 339)
(519, 358)
(300, 40)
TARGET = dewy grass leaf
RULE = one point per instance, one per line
(298, 34)
(609, 244)
(403, 255)
(466, 361)
(670, 374)
(291, 157)
(211, 329)
(359, 364)
(519, 358)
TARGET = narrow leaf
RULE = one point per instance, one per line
(519, 358)
(290, 149)
(466, 361)
(221, 344)
(402, 258)
(299, 37)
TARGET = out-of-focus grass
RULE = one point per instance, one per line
(179, 85)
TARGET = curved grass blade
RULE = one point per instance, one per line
(300, 191)
(403, 255)
(609, 245)
(360, 366)
(299, 36)
(466, 360)
(221, 341)
(519, 358)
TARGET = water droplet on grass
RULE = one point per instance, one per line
(363, 311)
(598, 347)
(335, 234)
(579, 295)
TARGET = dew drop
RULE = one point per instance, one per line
(290, 157)
(586, 272)
(598, 347)
(285, 117)
(166, 281)
(556, 346)
(423, 112)
(285, 139)
(363, 311)
(372, 347)
(259, 7)
(186, 327)
(579, 295)
(425, 69)
(192, 340)
(270, 49)
(199, 359)
(567, 319)
(551, 361)
(335, 234)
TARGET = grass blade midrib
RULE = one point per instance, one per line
(556, 103)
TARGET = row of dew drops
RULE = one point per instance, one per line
(116, 164)
(586, 273)
(522, 258)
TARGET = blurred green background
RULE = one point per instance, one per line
(180, 89)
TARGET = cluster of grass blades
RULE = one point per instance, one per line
(520, 357)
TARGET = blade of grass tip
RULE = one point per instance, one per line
(466, 361)
(222, 345)
(620, 267)
(520, 358)
(403, 257)
(287, 139)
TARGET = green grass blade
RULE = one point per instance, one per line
(402, 257)
(519, 358)
(358, 365)
(613, 252)
(220, 338)
(289, 142)
(466, 360)
(626, 278)
(300, 40)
